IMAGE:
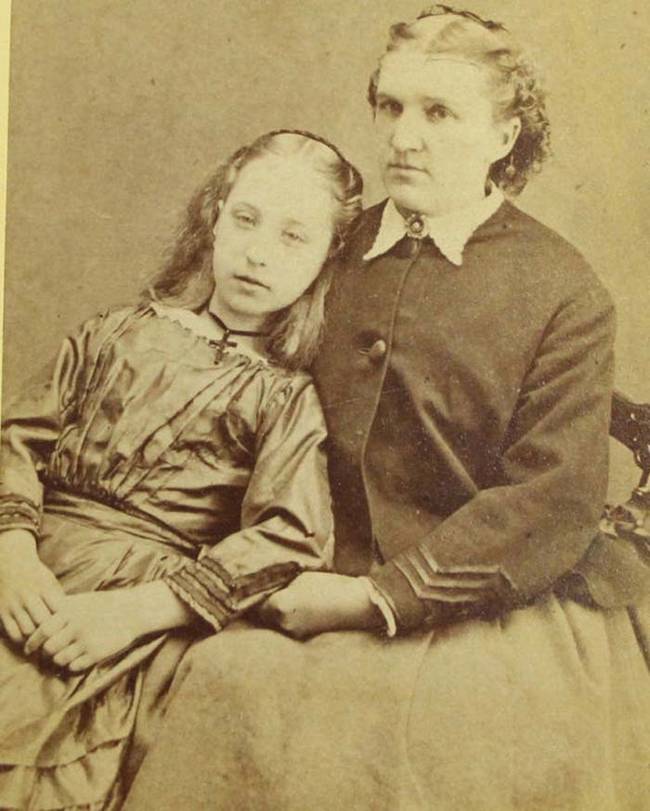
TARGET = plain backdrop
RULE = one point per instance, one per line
(119, 108)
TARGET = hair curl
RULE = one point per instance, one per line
(517, 90)
(186, 278)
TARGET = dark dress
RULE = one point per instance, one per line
(138, 458)
(468, 416)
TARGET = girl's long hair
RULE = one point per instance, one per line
(186, 277)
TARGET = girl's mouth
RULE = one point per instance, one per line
(252, 281)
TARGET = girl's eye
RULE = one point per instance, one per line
(244, 218)
(437, 113)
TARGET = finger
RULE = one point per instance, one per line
(50, 627)
(12, 630)
(82, 663)
(24, 621)
(69, 654)
(53, 595)
(56, 643)
(37, 609)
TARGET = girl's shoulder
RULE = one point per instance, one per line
(291, 398)
(104, 322)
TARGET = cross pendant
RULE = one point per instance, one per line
(221, 346)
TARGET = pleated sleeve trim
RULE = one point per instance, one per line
(17, 512)
(209, 590)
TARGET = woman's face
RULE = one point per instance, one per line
(436, 131)
(271, 239)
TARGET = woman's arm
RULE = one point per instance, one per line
(513, 541)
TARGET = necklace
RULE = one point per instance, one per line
(221, 346)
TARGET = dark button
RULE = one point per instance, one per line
(377, 351)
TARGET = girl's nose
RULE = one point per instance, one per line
(406, 134)
(255, 254)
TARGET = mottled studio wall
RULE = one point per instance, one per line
(119, 107)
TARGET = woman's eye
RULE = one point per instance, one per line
(294, 237)
(390, 107)
(437, 113)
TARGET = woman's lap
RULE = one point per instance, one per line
(546, 708)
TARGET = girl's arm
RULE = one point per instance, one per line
(28, 590)
(285, 518)
(286, 529)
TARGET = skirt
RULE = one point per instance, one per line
(66, 738)
(545, 708)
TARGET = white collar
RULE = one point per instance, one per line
(450, 232)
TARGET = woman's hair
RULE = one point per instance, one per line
(186, 278)
(516, 89)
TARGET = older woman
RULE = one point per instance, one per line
(466, 377)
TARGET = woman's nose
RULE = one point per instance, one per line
(406, 135)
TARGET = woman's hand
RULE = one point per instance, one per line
(316, 602)
(29, 592)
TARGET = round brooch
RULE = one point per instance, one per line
(416, 227)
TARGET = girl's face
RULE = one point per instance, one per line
(271, 239)
(436, 131)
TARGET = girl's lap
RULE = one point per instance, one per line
(87, 554)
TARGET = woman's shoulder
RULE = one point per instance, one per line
(537, 252)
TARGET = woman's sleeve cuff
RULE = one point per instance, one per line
(408, 609)
(383, 605)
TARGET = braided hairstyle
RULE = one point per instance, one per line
(186, 277)
(516, 88)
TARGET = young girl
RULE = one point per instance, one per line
(168, 472)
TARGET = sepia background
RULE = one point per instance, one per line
(119, 108)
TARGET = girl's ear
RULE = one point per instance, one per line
(216, 220)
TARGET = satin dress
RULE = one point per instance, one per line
(143, 455)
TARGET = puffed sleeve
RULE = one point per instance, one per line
(286, 521)
(513, 541)
(30, 429)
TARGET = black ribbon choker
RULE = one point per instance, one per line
(224, 343)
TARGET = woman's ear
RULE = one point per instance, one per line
(511, 130)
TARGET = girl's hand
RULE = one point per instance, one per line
(316, 602)
(91, 627)
(29, 592)
(86, 629)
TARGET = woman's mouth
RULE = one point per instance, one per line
(404, 167)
